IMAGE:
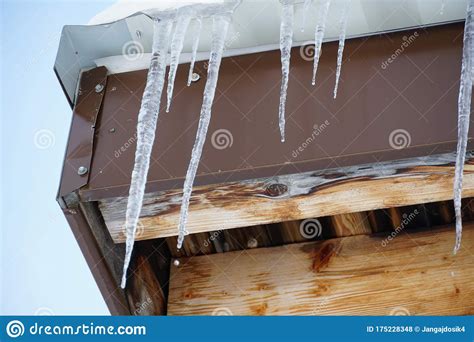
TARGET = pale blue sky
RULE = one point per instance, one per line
(42, 267)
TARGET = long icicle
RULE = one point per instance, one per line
(176, 48)
(219, 33)
(319, 36)
(195, 48)
(464, 112)
(342, 39)
(286, 41)
(147, 120)
(306, 6)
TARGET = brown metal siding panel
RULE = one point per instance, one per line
(417, 92)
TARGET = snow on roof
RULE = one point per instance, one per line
(255, 27)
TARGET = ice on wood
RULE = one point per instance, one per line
(195, 48)
(342, 39)
(319, 35)
(286, 41)
(464, 112)
(176, 48)
(219, 32)
(147, 119)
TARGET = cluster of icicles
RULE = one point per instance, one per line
(221, 16)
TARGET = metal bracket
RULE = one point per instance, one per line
(81, 135)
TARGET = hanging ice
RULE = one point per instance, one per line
(306, 6)
(195, 48)
(464, 111)
(147, 119)
(342, 39)
(219, 32)
(176, 48)
(319, 35)
(286, 40)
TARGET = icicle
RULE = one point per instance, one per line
(147, 119)
(342, 39)
(319, 36)
(176, 48)
(286, 41)
(195, 48)
(219, 32)
(464, 111)
(306, 6)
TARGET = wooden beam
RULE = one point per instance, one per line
(350, 224)
(415, 273)
(294, 197)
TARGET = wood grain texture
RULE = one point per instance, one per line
(414, 273)
(307, 195)
(350, 224)
(144, 293)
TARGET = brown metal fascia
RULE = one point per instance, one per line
(416, 92)
(111, 292)
(79, 153)
(78, 158)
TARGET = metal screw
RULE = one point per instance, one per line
(99, 88)
(82, 170)
(112, 130)
(195, 77)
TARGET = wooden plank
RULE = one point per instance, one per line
(299, 196)
(144, 293)
(350, 224)
(414, 273)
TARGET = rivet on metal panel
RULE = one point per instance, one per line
(112, 130)
(82, 170)
(99, 88)
(195, 77)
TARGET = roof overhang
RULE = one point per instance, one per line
(106, 43)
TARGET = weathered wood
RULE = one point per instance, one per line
(414, 273)
(379, 220)
(144, 293)
(350, 224)
(313, 194)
